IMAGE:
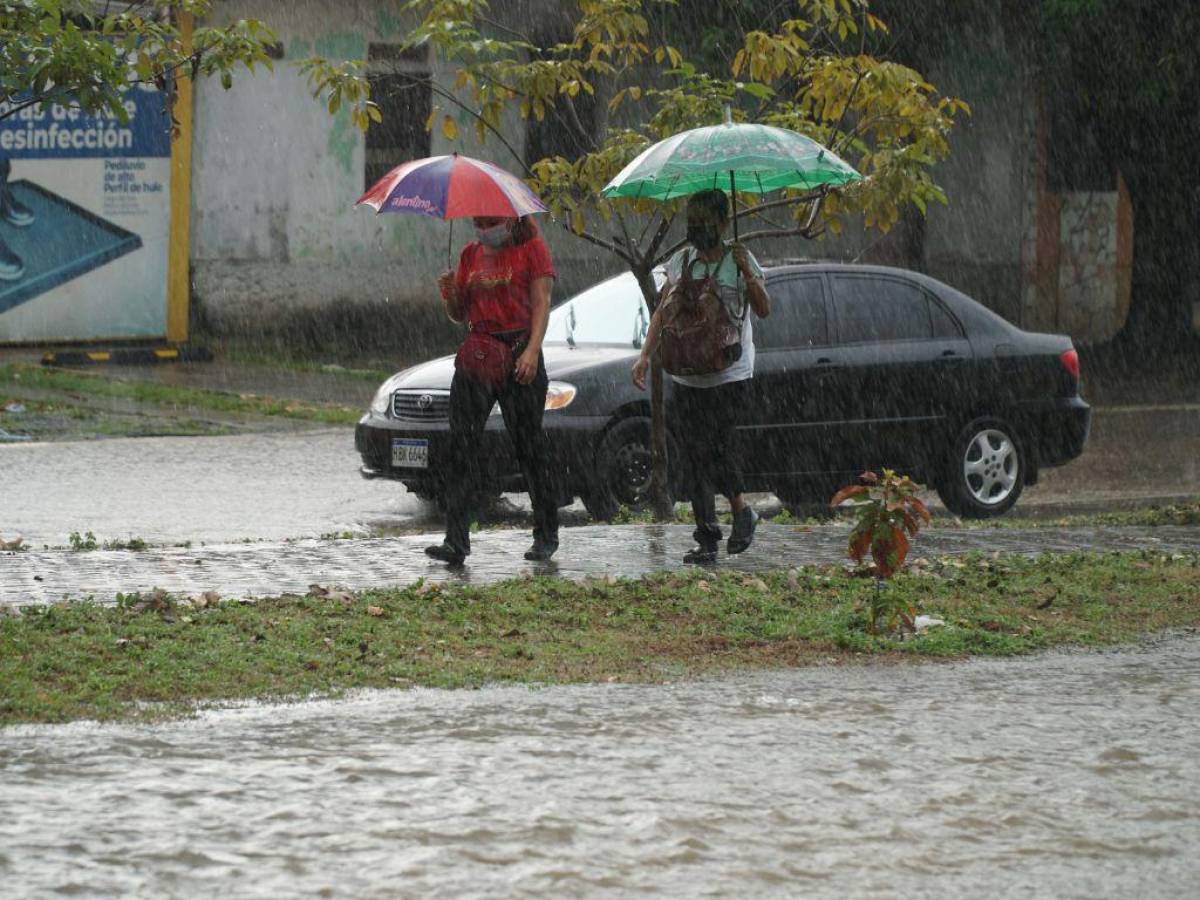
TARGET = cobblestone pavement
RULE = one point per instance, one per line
(273, 568)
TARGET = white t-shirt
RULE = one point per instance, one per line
(737, 304)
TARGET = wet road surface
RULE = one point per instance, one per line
(275, 486)
(1069, 775)
(271, 568)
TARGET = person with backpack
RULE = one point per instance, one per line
(501, 289)
(702, 334)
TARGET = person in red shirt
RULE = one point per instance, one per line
(502, 288)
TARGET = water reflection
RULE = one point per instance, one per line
(1070, 775)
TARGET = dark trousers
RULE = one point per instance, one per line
(522, 406)
(704, 422)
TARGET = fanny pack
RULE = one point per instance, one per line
(487, 358)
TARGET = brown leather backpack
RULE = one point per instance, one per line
(697, 335)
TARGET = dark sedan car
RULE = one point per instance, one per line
(857, 367)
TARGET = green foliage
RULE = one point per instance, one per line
(341, 84)
(810, 73)
(86, 541)
(69, 383)
(152, 655)
(887, 509)
(85, 54)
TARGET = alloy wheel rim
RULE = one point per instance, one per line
(632, 473)
(990, 467)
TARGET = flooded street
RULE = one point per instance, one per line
(175, 489)
(1065, 775)
(292, 485)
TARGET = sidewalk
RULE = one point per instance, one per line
(273, 568)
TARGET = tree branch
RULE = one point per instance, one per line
(502, 27)
(786, 201)
(449, 95)
(660, 235)
(801, 231)
(846, 109)
(601, 242)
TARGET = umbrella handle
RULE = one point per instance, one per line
(733, 203)
(450, 247)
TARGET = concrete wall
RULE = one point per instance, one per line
(275, 237)
(974, 243)
(279, 249)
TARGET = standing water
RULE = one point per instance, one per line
(1067, 775)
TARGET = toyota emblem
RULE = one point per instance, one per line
(425, 401)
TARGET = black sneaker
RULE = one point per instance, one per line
(11, 267)
(13, 211)
(742, 535)
(541, 551)
(446, 554)
(700, 556)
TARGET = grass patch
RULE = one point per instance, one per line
(18, 375)
(234, 353)
(157, 656)
(1183, 513)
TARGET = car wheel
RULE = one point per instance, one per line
(622, 472)
(986, 471)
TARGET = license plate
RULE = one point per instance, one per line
(410, 454)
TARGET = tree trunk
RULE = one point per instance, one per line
(660, 495)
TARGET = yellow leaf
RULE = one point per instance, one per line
(449, 128)
(738, 61)
(578, 223)
(429, 121)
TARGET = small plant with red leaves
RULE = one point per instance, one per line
(889, 513)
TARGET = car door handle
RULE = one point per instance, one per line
(950, 356)
(824, 367)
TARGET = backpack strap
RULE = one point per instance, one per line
(686, 276)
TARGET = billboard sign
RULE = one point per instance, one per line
(85, 221)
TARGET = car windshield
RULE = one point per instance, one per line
(611, 312)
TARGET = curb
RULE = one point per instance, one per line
(135, 356)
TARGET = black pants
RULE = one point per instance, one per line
(522, 406)
(704, 422)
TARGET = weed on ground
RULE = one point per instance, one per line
(84, 660)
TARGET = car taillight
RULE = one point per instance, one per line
(1070, 361)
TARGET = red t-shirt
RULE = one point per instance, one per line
(496, 284)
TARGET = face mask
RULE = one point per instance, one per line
(496, 236)
(703, 237)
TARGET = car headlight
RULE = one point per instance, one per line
(382, 399)
(559, 395)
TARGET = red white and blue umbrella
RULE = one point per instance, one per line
(452, 187)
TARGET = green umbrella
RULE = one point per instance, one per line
(755, 159)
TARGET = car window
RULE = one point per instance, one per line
(879, 309)
(611, 312)
(797, 315)
(944, 325)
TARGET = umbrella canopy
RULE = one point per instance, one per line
(451, 187)
(752, 158)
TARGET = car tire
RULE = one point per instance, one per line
(986, 471)
(621, 471)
